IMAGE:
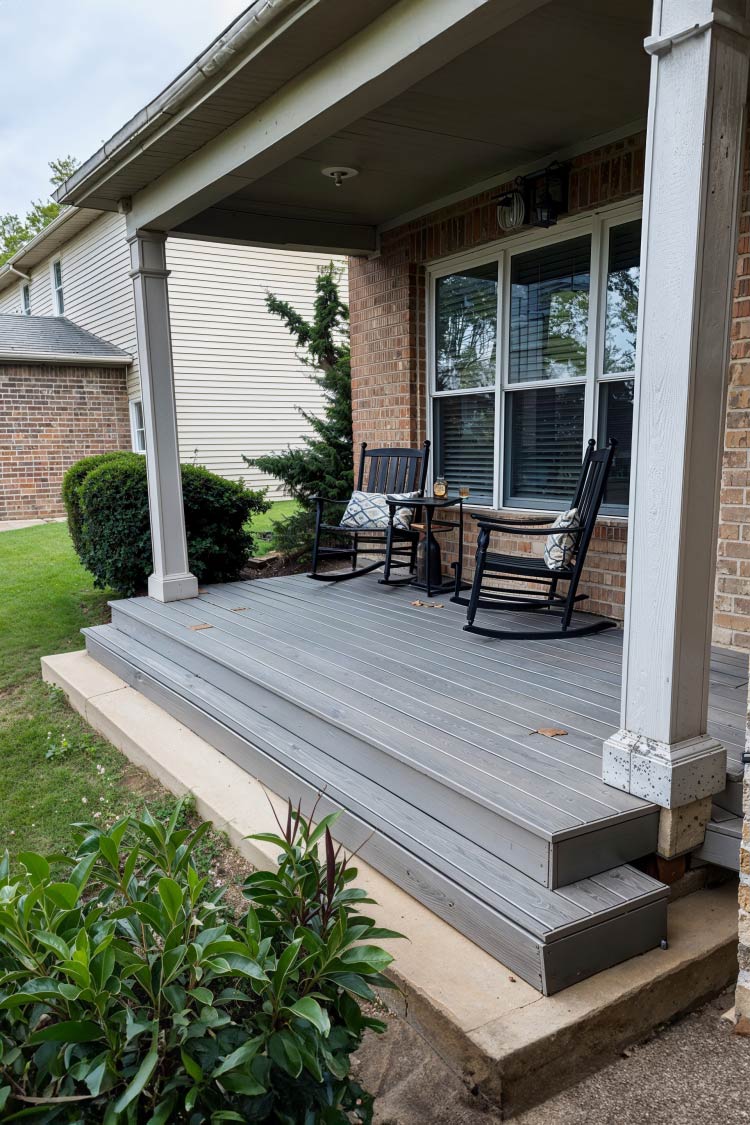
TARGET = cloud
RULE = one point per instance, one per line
(73, 75)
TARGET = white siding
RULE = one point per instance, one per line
(239, 378)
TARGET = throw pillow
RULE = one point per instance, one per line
(368, 511)
(562, 545)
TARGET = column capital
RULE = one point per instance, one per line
(671, 28)
(148, 254)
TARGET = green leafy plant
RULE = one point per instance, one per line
(107, 503)
(72, 481)
(324, 464)
(130, 994)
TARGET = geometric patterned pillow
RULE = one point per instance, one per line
(561, 547)
(368, 511)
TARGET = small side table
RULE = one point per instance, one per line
(430, 506)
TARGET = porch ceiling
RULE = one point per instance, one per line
(570, 71)
(426, 98)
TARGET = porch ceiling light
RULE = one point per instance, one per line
(339, 174)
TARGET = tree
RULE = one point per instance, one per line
(324, 464)
(14, 231)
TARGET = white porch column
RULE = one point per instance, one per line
(171, 579)
(698, 92)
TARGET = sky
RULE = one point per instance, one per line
(74, 73)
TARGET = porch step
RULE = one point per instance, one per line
(465, 759)
(549, 938)
(723, 837)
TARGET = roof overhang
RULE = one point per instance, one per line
(67, 358)
(53, 237)
(424, 97)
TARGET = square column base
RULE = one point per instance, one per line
(172, 587)
(670, 775)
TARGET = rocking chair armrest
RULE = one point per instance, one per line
(522, 529)
(492, 521)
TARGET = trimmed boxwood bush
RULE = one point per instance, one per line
(114, 538)
(72, 481)
(131, 995)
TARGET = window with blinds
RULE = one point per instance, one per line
(561, 371)
(543, 442)
(464, 429)
(466, 324)
(549, 312)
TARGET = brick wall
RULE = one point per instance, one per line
(389, 369)
(732, 606)
(50, 416)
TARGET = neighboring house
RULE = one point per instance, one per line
(240, 381)
(63, 396)
(517, 788)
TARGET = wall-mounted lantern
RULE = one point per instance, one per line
(536, 200)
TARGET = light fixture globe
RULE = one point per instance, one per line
(511, 210)
(340, 173)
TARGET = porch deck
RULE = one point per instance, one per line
(428, 738)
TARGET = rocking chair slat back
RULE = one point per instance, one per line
(393, 470)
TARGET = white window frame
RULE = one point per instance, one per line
(58, 295)
(135, 428)
(26, 298)
(597, 224)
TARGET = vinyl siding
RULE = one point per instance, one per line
(238, 377)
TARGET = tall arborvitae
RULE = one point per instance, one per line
(323, 466)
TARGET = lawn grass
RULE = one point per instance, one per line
(264, 522)
(54, 769)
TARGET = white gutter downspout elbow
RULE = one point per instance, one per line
(19, 273)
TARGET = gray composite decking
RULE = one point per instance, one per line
(428, 738)
(723, 837)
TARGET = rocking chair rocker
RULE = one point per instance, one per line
(384, 471)
(539, 590)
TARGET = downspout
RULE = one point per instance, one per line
(19, 273)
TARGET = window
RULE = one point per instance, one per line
(137, 426)
(532, 353)
(26, 300)
(57, 287)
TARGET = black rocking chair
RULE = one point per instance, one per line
(539, 590)
(386, 471)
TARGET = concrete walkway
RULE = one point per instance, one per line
(17, 525)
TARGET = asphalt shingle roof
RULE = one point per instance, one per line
(53, 337)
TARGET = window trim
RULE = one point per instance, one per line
(26, 298)
(596, 223)
(58, 294)
(135, 429)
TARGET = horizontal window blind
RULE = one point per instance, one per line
(544, 444)
(616, 421)
(465, 444)
(466, 329)
(549, 311)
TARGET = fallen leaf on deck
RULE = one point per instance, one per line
(240, 608)
(550, 732)
(417, 603)
(436, 605)
(196, 627)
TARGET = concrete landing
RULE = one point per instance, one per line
(515, 1046)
